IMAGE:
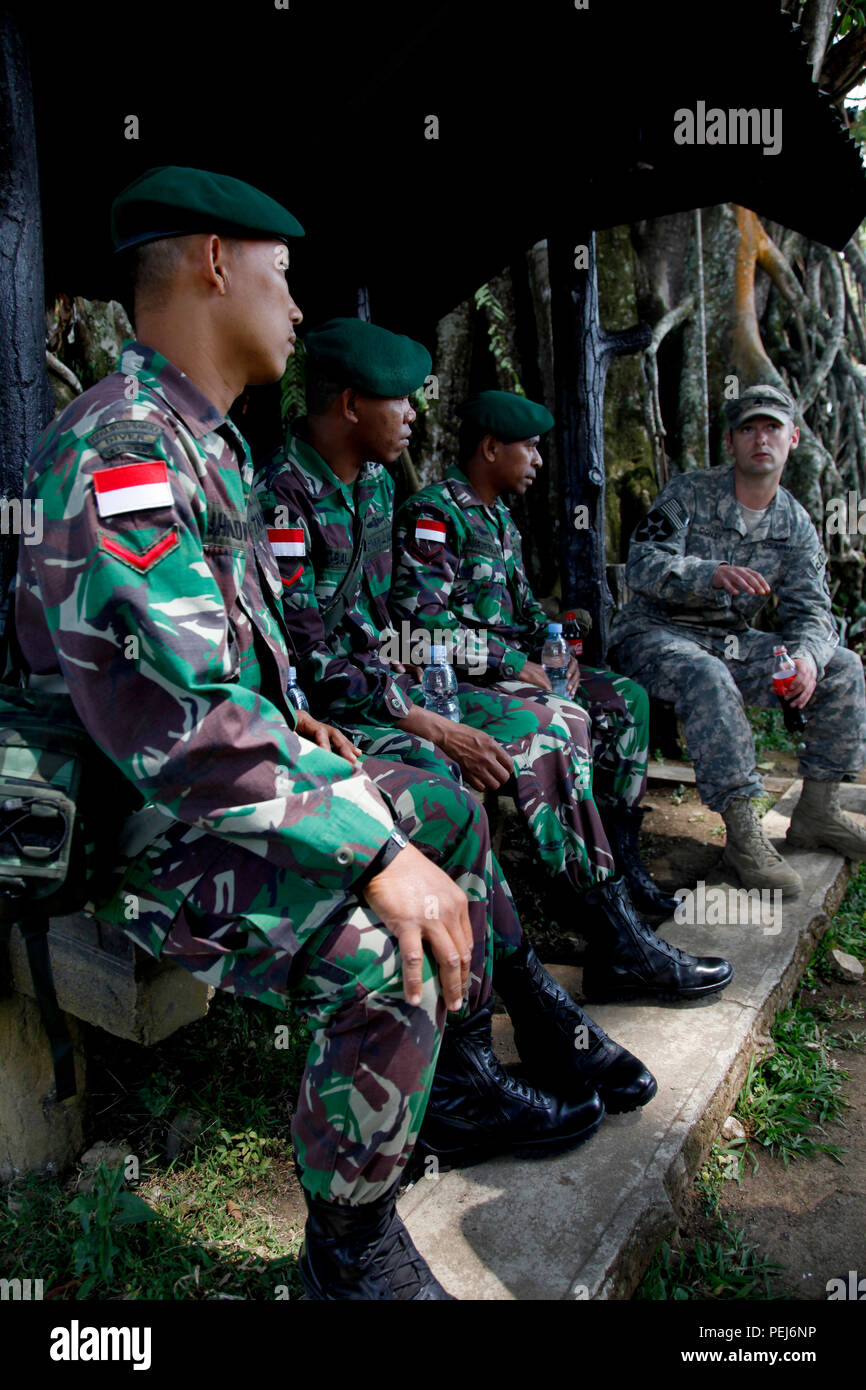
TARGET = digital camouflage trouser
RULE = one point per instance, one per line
(710, 691)
(255, 930)
(552, 775)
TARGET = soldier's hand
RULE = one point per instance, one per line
(484, 762)
(572, 676)
(535, 675)
(417, 902)
(738, 579)
(326, 736)
(802, 687)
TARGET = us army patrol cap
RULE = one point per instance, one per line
(173, 201)
(371, 359)
(760, 400)
(506, 416)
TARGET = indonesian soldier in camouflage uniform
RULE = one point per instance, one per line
(459, 568)
(269, 860)
(328, 499)
(703, 563)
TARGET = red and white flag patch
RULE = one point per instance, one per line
(286, 540)
(132, 487)
(426, 529)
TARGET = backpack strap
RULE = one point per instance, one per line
(347, 589)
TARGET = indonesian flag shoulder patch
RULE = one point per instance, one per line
(286, 541)
(426, 529)
(132, 487)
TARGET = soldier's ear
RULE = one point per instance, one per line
(349, 405)
(729, 443)
(795, 436)
(488, 447)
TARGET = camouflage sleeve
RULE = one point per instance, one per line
(129, 599)
(338, 686)
(805, 615)
(657, 565)
(426, 561)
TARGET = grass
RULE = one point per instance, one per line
(784, 1105)
(217, 1219)
(768, 729)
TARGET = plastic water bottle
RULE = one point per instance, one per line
(294, 693)
(784, 671)
(555, 658)
(439, 685)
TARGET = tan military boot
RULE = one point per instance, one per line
(750, 853)
(818, 819)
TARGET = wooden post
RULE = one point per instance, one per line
(27, 400)
(582, 353)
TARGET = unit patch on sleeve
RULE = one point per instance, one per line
(662, 521)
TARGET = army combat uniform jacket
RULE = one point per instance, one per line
(694, 526)
(314, 521)
(460, 566)
(154, 600)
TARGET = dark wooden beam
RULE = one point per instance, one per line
(582, 353)
(27, 400)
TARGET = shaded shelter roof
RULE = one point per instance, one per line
(552, 120)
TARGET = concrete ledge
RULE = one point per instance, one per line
(586, 1224)
(103, 979)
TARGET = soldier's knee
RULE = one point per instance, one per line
(637, 700)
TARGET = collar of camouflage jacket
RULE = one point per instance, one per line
(728, 508)
(182, 396)
(465, 495)
(318, 477)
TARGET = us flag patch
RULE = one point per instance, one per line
(286, 541)
(426, 529)
(132, 487)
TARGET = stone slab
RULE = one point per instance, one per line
(585, 1224)
(103, 979)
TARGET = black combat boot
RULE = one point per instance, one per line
(477, 1109)
(560, 1045)
(625, 958)
(363, 1252)
(622, 823)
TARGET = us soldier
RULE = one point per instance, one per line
(328, 500)
(459, 567)
(702, 564)
(269, 861)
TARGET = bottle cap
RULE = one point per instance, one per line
(438, 654)
(778, 651)
(571, 617)
(293, 675)
(554, 629)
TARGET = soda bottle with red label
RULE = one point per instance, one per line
(784, 671)
(571, 633)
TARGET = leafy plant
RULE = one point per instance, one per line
(486, 301)
(99, 1211)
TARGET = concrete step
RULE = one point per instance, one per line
(585, 1224)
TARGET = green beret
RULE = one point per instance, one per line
(171, 201)
(506, 416)
(368, 358)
